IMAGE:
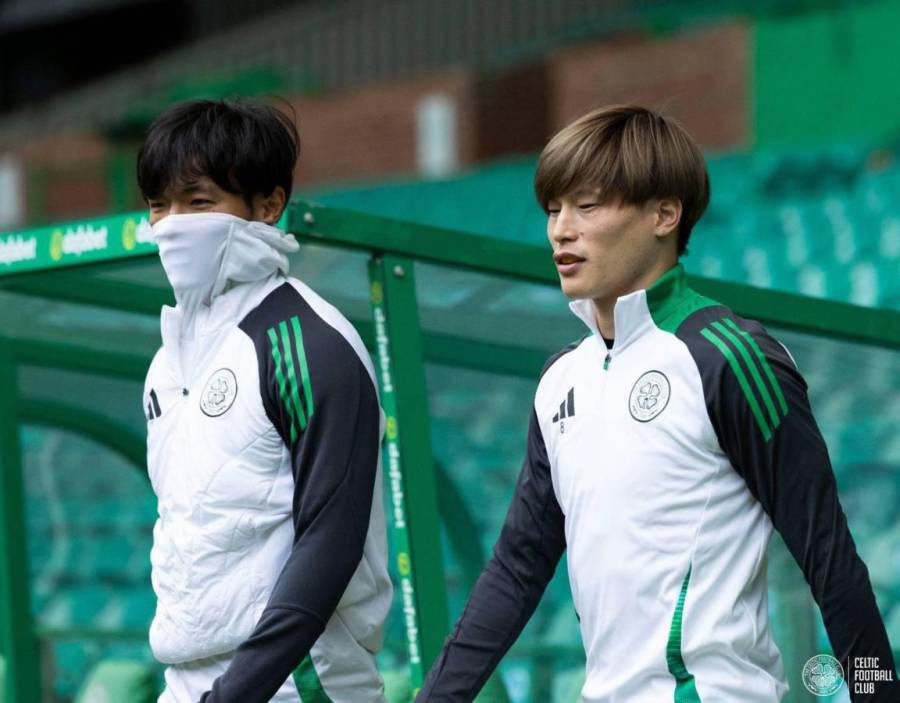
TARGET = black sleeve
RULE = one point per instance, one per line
(758, 405)
(525, 557)
(320, 397)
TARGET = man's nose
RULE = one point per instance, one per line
(172, 208)
(177, 208)
(563, 227)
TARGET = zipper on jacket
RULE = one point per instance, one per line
(607, 360)
(184, 391)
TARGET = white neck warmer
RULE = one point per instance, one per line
(204, 254)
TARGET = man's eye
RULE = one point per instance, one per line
(552, 211)
(154, 205)
(200, 202)
(587, 206)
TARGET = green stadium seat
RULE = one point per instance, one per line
(865, 283)
(397, 687)
(125, 681)
(138, 607)
(112, 554)
(81, 606)
(888, 276)
(72, 661)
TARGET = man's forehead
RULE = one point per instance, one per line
(188, 185)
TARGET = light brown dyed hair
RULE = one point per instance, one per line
(631, 155)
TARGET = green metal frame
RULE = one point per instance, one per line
(17, 639)
(408, 458)
(400, 346)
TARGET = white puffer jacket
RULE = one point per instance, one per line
(265, 457)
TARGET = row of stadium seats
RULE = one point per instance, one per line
(823, 223)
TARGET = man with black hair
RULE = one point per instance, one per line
(264, 430)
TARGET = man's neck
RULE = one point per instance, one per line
(603, 316)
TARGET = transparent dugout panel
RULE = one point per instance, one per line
(116, 400)
(479, 424)
(46, 320)
(89, 517)
(495, 310)
(854, 391)
(479, 421)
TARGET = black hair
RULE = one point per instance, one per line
(246, 147)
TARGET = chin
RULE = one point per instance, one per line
(573, 291)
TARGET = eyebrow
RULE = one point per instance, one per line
(189, 188)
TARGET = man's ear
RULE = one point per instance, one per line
(668, 216)
(268, 208)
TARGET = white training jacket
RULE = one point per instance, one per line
(265, 458)
(662, 465)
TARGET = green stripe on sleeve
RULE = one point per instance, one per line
(685, 685)
(308, 684)
(742, 380)
(745, 355)
(304, 368)
(291, 376)
(279, 376)
(764, 362)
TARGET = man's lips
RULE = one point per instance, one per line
(567, 262)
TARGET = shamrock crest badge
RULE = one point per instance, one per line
(649, 396)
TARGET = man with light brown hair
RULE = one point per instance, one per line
(662, 450)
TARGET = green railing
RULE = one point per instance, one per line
(67, 263)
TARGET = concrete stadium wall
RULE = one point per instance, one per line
(698, 76)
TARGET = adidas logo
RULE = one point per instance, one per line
(153, 410)
(566, 409)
